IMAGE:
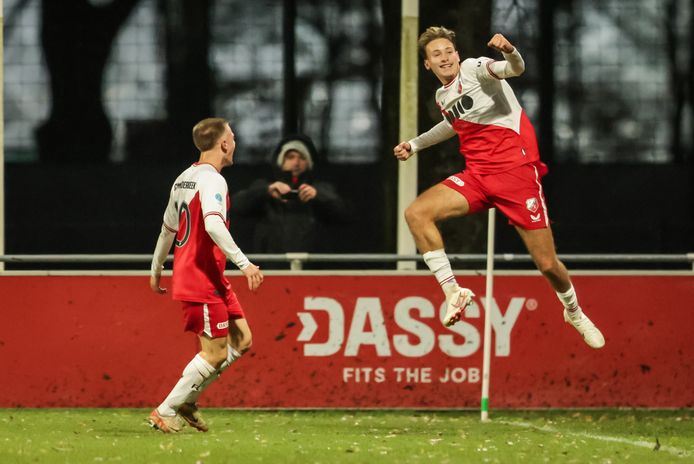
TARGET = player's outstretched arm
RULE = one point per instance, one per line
(437, 134)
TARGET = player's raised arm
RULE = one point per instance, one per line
(513, 64)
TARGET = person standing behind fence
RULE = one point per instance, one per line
(292, 207)
(195, 220)
(502, 169)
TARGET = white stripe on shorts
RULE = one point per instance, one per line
(542, 197)
(206, 320)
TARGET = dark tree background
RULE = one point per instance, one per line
(77, 38)
(87, 205)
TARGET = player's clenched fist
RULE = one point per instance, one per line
(501, 44)
(402, 151)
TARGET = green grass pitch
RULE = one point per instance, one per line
(336, 436)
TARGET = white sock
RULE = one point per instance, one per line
(232, 355)
(569, 299)
(194, 375)
(438, 264)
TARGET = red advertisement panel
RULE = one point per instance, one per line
(352, 341)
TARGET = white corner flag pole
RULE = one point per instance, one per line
(407, 171)
(488, 302)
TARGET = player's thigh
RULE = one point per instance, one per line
(518, 194)
(206, 319)
(440, 202)
(540, 244)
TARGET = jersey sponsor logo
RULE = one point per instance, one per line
(456, 180)
(183, 225)
(184, 185)
(223, 325)
(461, 105)
(532, 204)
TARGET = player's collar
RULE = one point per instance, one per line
(197, 163)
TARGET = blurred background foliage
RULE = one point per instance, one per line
(100, 97)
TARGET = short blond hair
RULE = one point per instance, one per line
(433, 33)
(207, 132)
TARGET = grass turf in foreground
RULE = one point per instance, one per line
(336, 436)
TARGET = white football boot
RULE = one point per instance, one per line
(456, 304)
(166, 424)
(591, 334)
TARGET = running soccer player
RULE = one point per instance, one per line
(502, 169)
(195, 220)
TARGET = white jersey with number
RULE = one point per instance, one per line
(198, 267)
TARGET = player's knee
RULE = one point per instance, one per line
(414, 215)
(217, 357)
(548, 266)
(245, 343)
(242, 341)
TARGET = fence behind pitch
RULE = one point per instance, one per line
(352, 340)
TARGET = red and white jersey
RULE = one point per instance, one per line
(198, 266)
(494, 132)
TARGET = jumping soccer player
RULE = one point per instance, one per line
(502, 169)
(196, 221)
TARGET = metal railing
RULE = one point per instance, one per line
(296, 261)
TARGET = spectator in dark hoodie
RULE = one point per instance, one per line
(292, 207)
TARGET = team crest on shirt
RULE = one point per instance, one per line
(456, 180)
(531, 204)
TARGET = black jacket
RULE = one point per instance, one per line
(291, 225)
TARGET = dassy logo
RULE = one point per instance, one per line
(418, 330)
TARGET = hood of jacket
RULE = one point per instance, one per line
(297, 142)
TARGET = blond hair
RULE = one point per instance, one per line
(433, 33)
(207, 132)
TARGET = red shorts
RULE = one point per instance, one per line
(211, 319)
(517, 193)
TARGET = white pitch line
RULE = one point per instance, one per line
(639, 443)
